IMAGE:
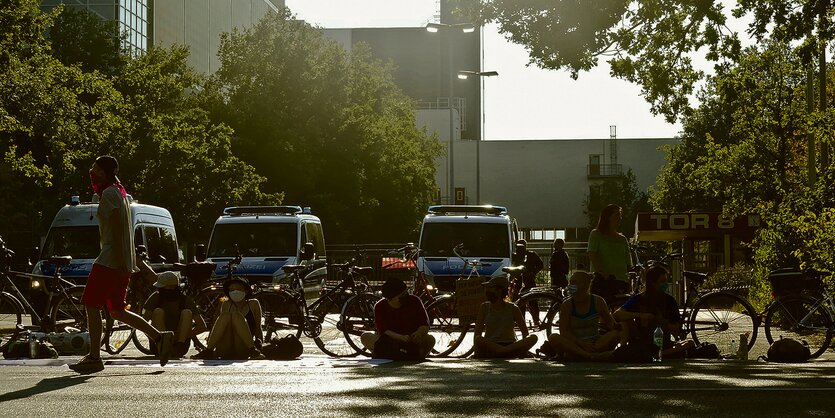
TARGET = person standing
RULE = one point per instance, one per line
(609, 254)
(108, 281)
(559, 264)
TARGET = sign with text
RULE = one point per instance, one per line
(469, 295)
(706, 225)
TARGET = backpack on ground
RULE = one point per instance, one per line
(286, 348)
(787, 350)
(705, 351)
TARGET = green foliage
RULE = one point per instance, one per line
(79, 37)
(328, 128)
(621, 191)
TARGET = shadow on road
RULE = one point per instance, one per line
(536, 388)
(62, 382)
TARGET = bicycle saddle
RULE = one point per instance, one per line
(60, 261)
(365, 271)
(292, 268)
(696, 277)
(514, 269)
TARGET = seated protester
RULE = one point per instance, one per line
(168, 309)
(496, 319)
(653, 307)
(581, 317)
(402, 325)
(236, 333)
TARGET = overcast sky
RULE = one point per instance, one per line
(522, 102)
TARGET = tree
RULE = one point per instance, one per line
(621, 191)
(327, 127)
(79, 37)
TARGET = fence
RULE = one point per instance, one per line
(377, 256)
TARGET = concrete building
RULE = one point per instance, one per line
(193, 23)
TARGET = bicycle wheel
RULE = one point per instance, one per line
(537, 310)
(357, 318)
(801, 318)
(117, 335)
(450, 332)
(720, 317)
(208, 302)
(67, 311)
(281, 315)
(331, 339)
(11, 316)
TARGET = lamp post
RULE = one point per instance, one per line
(465, 75)
(449, 29)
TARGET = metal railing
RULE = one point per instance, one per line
(604, 170)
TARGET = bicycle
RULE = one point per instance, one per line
(802, 309)
(716, 316)
(540, 305)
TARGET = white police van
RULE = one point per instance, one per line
(267, 238)
(486, 232)
(75, 232)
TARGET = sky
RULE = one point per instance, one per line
(523, 102)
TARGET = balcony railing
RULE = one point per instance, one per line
(604, 170)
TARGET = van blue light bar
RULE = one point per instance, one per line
(485, 209)
(262, 210)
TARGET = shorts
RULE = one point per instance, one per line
(106, 288)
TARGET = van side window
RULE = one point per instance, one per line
(160, 241)
(304, 234)
(314, 234)
(138, 238)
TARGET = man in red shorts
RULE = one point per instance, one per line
(108, 280)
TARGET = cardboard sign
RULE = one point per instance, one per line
(469, 295)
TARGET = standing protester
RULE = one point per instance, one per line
(609, 255)
(111, 272)
(559, 264)
(533, 265)
(402, 325)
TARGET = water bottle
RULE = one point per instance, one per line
(33, 346)
(658, 339)
(742, 352)
(732, 349)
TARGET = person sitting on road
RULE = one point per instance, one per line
(496, 319)
(169, 309)
(402, 325)
(581, 317)
(651, 308)
(236, 333)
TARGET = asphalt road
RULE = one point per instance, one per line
(319, 386)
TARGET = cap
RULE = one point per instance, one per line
(497, 281)
(234, 280)
(392, 288)
(167, 278)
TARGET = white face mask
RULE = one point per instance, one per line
(237, 295)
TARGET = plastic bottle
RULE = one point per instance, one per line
(742, 352)
(658, 339)
(733, 349)
(33, 346)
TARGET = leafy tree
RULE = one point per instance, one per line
(327, 127)
(622, 191)
(79, 37)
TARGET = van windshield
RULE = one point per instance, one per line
(479, 239)
(253, 240)
(80, 242)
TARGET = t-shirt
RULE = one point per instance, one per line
(171, 306)
(115, 231)
(665, 310)
(613, 252)
(404, 320)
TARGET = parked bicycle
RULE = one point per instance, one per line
(802, 309)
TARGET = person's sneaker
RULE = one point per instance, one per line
(165, 344)
(87, 365)
(206, 354)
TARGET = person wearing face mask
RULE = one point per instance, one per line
(111, 273)
(170, 309)
(651, 308)
(581, 317)
(496, 320)
(402, 325)
(236, 333)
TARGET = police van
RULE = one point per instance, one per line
(267, 238)
(485, 233)
(75, 232)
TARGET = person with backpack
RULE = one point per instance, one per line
(236, 333)
(170, 309)
(650, 309)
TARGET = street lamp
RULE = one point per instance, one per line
(449, 29)
(464, 75)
